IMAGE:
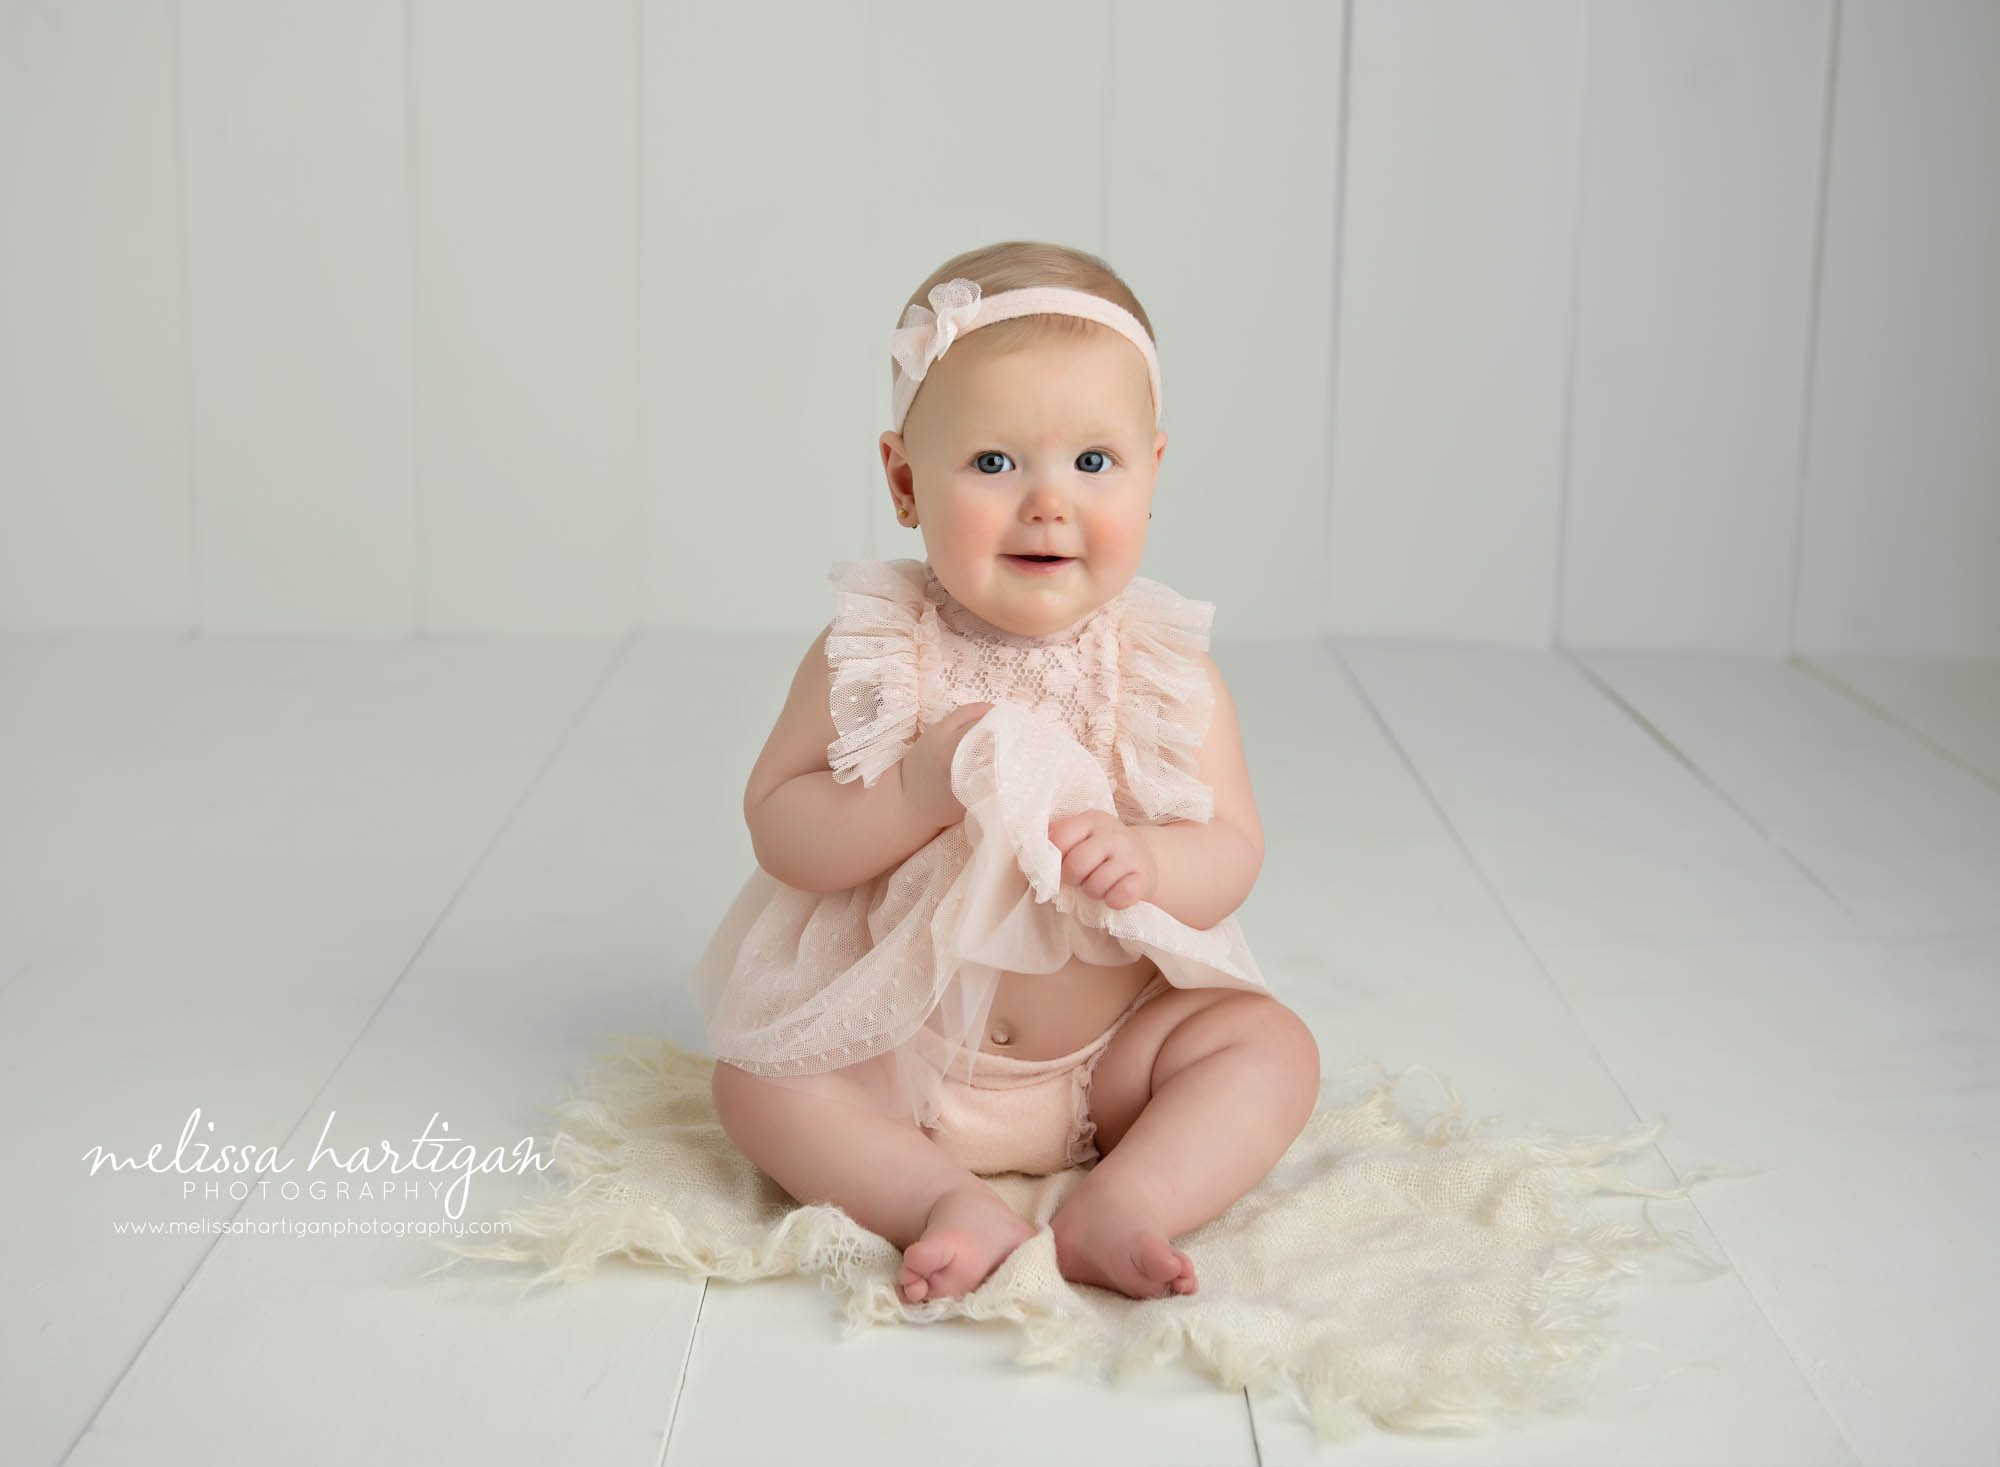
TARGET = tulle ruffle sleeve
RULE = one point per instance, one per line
(873, 651)
(1164, 704)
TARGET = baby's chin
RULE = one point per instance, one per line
(1050, 600)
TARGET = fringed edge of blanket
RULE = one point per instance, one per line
(592, 1215)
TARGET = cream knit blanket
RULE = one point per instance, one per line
(1420, 1278)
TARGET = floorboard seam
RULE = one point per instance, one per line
(1686, 761)
(687, 1363)
(1833, 681)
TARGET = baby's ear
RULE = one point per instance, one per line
(896, 463)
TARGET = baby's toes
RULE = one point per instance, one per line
(1161, 1264)
(924, 1261)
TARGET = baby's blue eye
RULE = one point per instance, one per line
(1083, 461)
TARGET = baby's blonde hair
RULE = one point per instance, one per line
(1017, 263)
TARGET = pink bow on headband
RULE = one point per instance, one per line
(924, 335)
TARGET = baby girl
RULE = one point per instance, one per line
(1002, 825)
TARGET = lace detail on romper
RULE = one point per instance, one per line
(1124, 680)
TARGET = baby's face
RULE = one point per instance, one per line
(1050, 447)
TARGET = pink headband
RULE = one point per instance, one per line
(956, 308)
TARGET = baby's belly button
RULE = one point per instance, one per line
(1060, 1011)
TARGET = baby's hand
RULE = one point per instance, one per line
(1106, 857)
(925, 769)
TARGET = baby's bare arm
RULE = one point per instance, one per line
(808, 830)
(1207, 868)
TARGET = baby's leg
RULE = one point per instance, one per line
(1221, 1084)
(883, 1172)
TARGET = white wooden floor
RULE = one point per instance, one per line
(306, 883)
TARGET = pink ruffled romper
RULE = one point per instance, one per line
(890, 982)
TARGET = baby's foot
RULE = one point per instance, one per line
(1108, 1239)
(967, 1235)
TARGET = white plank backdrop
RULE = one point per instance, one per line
(1666, 323)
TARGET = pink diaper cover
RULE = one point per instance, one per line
(1021, 1115)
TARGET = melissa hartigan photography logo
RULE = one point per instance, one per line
(432, 1164)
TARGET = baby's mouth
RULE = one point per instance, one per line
(1042, 559)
